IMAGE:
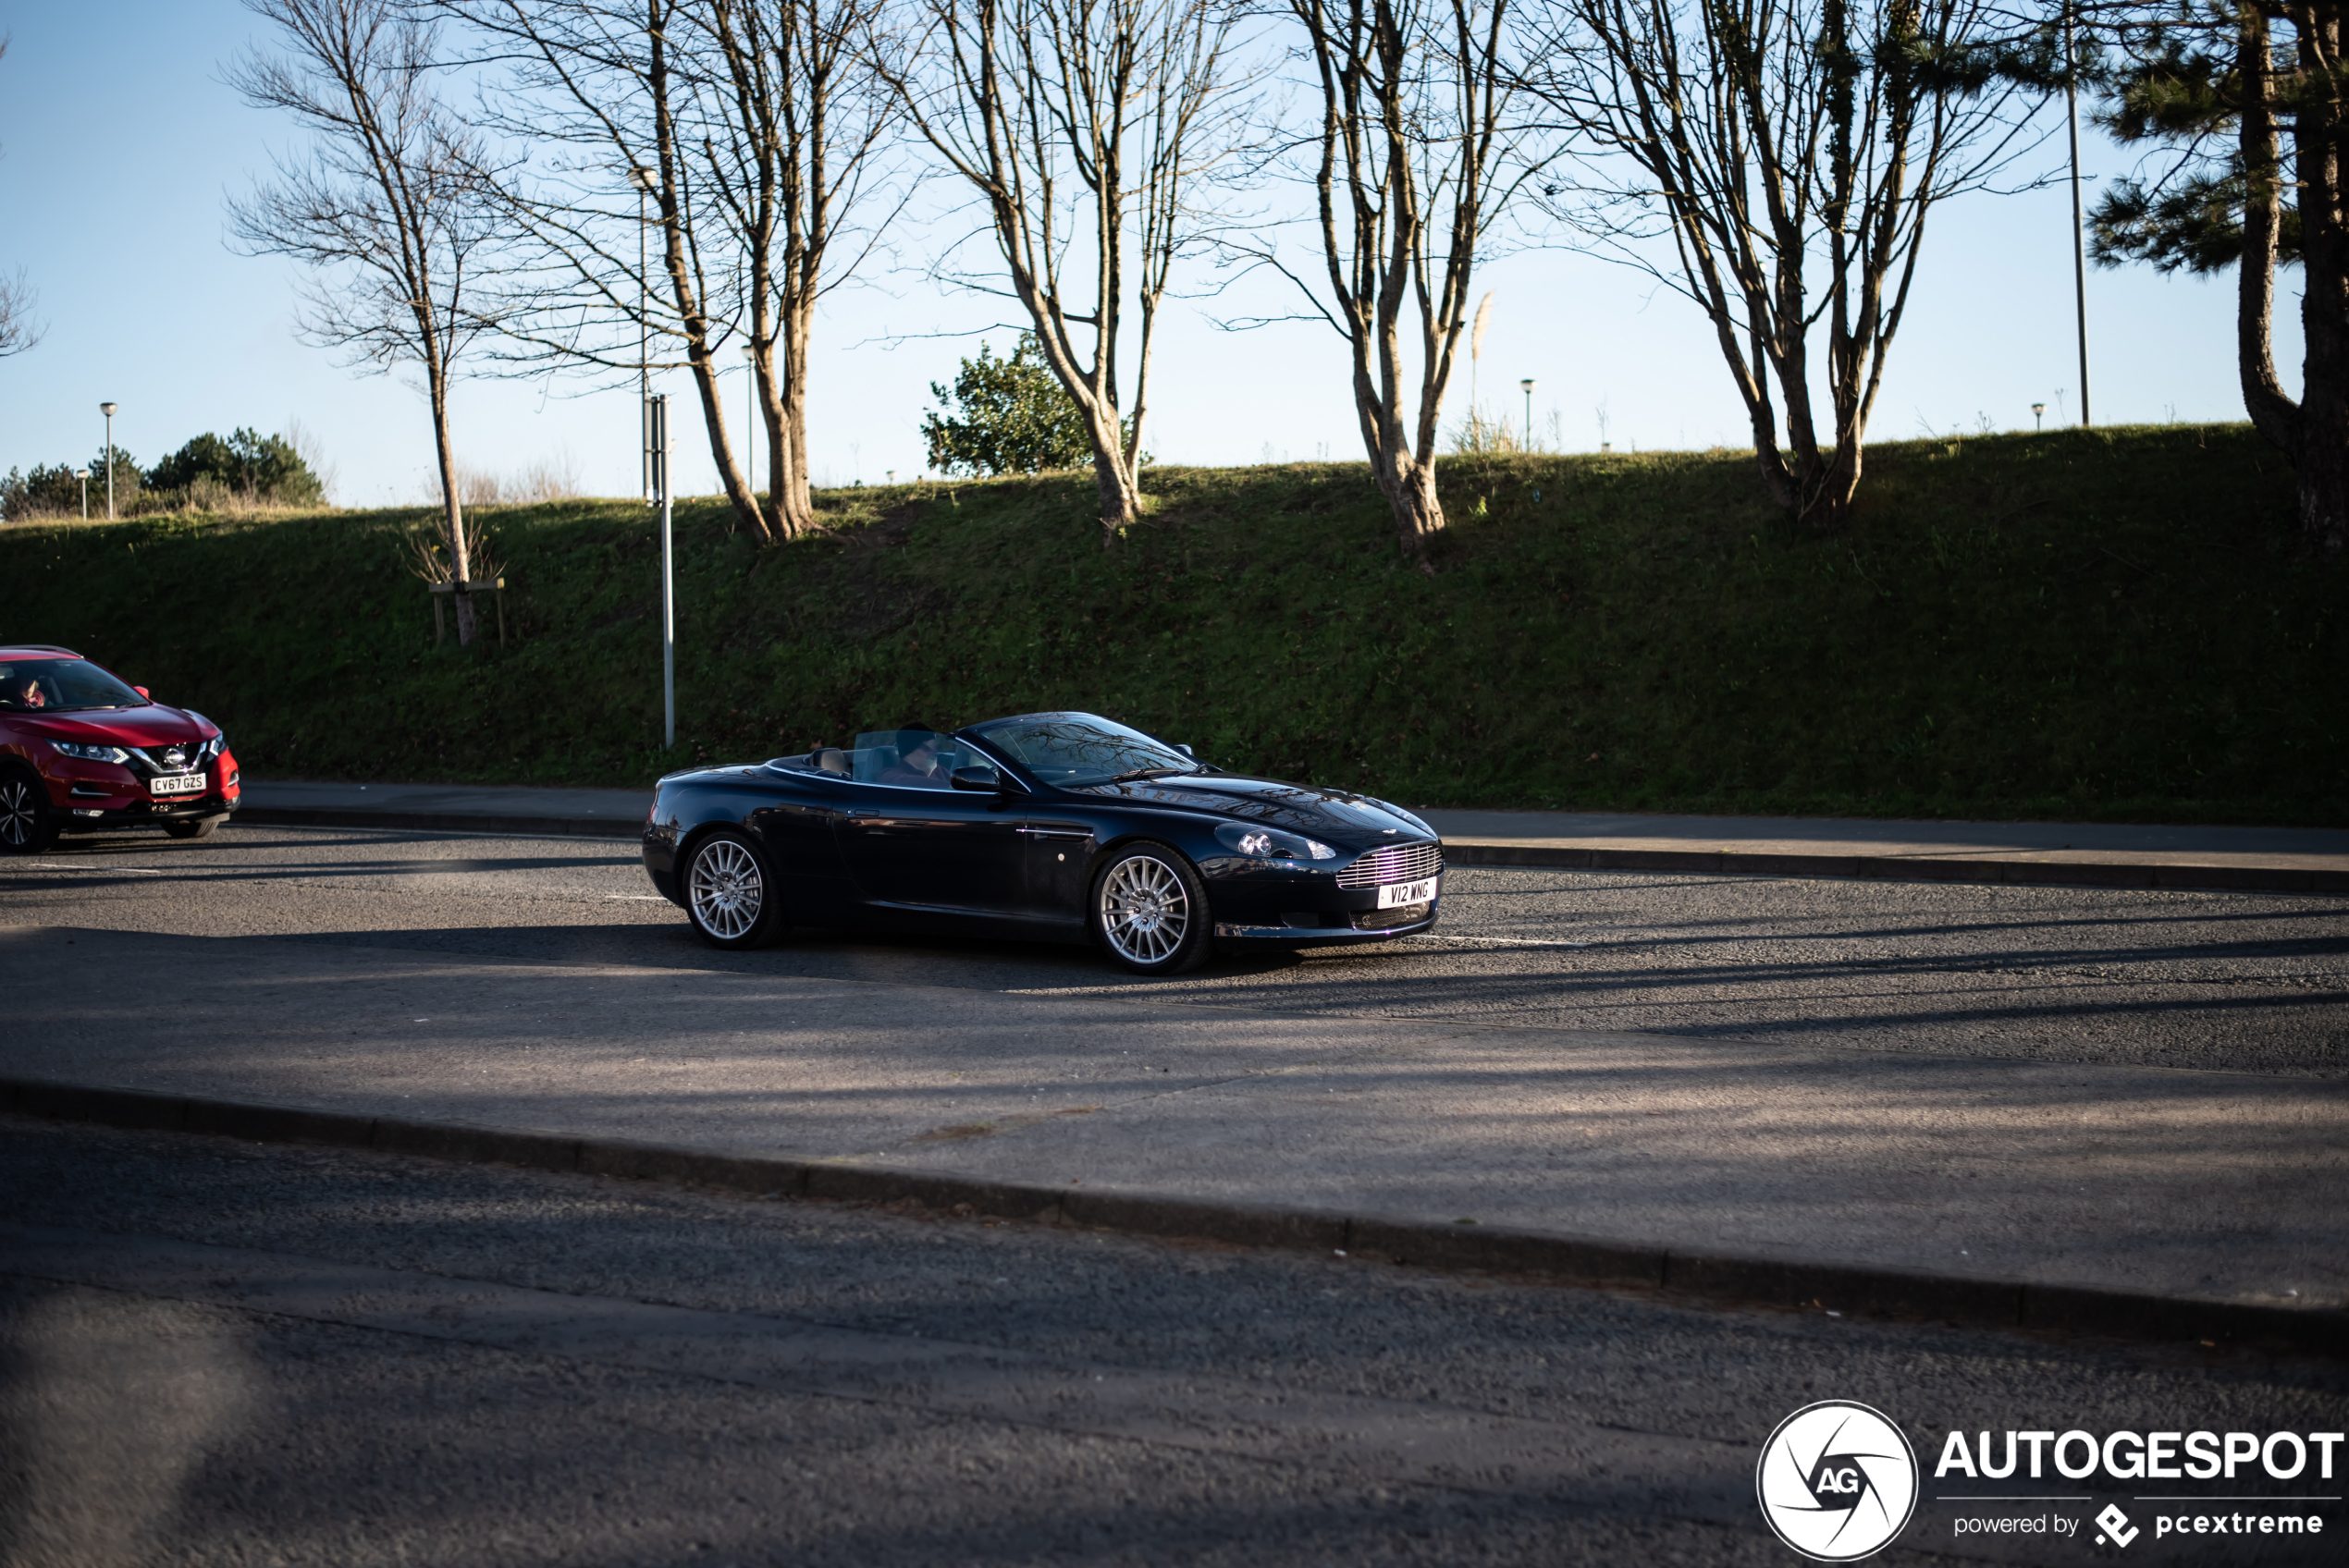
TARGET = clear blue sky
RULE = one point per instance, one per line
(119, 143)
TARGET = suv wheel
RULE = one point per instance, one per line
(27, 823)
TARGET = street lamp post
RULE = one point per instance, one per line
(642, 179)
(1525, 442)
(750, 422)
(2037, 410)
(2079, 236)
(107, 410)
(657, 456)
(83, 475)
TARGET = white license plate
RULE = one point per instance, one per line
(1395, 895)
(186, 784)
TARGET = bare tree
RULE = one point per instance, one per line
(385, 200)
(1082, 127)
(18, 331)
(793, 130)
(1416, 152)
(1791, 151)
(758, 134)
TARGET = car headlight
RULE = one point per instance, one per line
(91, 754)
(215, 746)
(1263, 844)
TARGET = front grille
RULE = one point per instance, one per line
(1393, 863)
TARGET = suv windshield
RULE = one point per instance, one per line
(61, 685)
(1073, 750)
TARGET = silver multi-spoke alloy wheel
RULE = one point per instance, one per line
(1145, 910)
(22, 825)
(728, 889)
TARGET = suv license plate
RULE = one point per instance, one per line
(1395, 895)
(186, 784)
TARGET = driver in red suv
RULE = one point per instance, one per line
(81, 751)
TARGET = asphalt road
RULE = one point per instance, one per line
(213, 1353)
(219, 1354)
(2236, 982)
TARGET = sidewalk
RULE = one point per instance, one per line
(2292, 860)
(2045, 1194)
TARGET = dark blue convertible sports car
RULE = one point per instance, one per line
(1056, 827)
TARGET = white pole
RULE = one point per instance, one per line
(657, 462)
(107, 410)
(644, 328)
(2079, 227)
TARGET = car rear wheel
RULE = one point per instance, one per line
(200, 828)
(1148, 911)
(27, 823)
(730, 892)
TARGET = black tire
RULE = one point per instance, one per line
(193, 828)
(28, 821)
(730, 892)
(1148, 910)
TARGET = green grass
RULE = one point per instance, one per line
(2085, 625)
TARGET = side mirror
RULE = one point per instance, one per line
(983, 780)
(142, 691)
(1189, 753)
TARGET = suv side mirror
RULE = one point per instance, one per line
(1189, 753)
(983, 780)
(142, 691)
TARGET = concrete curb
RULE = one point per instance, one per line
(1853, 1290)
(1901, 868)
(1736, 863)
(446, 822)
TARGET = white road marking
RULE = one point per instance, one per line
(92, 865)
(1496, 941)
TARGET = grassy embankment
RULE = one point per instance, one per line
(2107, 625)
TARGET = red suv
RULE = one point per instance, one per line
(80, 752)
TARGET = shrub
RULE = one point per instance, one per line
(265, 469)
(1011, 416)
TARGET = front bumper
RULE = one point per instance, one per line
(82, 818)
(90, 797)
(1287, 905)
(1237, 939)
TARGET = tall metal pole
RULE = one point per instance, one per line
(2079, 225)
(644, 326)
(1526, 443)
(107, 410)
(657, 464)
(750, 415)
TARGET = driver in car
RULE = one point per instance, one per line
(918, 764)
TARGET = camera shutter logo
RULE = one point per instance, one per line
(1838, 1481)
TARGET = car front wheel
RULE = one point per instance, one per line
(1148, 911)
(28, 824)
(200, 828)
(730, 892)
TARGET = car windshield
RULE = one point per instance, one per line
(1073, 750)
(61, 685)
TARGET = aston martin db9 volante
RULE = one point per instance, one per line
(1053, 826)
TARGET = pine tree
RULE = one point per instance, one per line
(2248, 98)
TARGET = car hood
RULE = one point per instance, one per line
(153, 724)
(1336, 816)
